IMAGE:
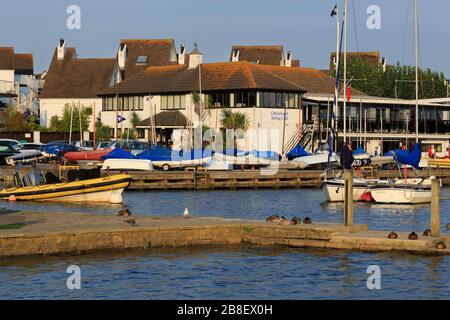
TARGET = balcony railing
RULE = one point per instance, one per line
(394, 126)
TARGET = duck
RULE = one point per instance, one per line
(307, 220)
(427, 233)
(131, 222)
(392, 235)
(273, 218)
(447, 226)
(441, 245)
(124, 213)
(284, 222)
(296, 220)
(413, 236)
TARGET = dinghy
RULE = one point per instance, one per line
(106, 189)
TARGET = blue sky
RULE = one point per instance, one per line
(302, 26)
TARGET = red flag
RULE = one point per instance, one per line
(349, 93)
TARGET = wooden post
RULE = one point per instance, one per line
(348, 198)
(435, 220)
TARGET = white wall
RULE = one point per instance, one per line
(52, 107)
(6, 81)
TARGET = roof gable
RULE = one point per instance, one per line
(263, 54)
(159, 52)
(72, 77)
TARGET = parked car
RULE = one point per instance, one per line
(11, 142)
(103, 144)
(28, 146)
(85, 145)
(6, 150)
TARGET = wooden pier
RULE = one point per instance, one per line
(249, 179)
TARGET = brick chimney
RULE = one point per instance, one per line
(61, 49)
(122, 56)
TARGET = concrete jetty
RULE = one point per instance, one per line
(70, 233)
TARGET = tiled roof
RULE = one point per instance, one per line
(7, 58)
(166, 119)
(372, 57)
(158, 52)
(215, 76)
(264, 54)
(72, 77)
(22, 63)
(313, 80)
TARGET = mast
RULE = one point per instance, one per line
(345, 71)
(416, 32)
(338, 54)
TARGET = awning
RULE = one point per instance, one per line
(165, 119)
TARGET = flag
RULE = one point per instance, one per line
(120, 119)
(334, 12)
(349, 93)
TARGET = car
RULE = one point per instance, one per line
(85, 145)
(103, 144)
(6, 150)
(28, 146)
(11, 142)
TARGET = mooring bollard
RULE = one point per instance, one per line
(348, 198)
(435, 219)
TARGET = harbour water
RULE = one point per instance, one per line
(236, 272)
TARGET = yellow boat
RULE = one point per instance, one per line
(105, 189)
(439, 163)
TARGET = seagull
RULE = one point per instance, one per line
(131, 222)
(124, 213)
(186, 213)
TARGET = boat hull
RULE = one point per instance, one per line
(91, 190)
(401, 195)
(93, 155)
(334, 192)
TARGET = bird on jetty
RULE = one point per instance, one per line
(131, 222)
(441, 245)
(392, 235)
(273, 218)
(284, 222)
(296, 220)
(124, 213)
(186, 213)
(447, 226)
(413, 236)
(427, 233)
(307, 220)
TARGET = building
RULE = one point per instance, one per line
(19, 87)
(270, 55)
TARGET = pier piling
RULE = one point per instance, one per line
(435, 219)
(348, 198)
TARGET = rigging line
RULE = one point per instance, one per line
(405, 31)
(354, 26)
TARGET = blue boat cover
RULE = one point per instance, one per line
(412, 158)
(118, 153)
(360, 150)
(298, 151)
(270, 155)
(59, 149)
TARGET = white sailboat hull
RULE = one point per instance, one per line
(334, 191)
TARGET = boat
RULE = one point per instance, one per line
(127, 164)
(334, 189)
(105, 189)
(315, 160)
(411, 191)
(92, 155)
(443, 163)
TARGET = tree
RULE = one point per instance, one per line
(102, 133)
(397, 81)
(15, 121)
(71, 112)
(235, 121)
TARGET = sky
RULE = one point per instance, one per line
(303, 26)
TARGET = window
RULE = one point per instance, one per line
(173, 102)
(141, 60)
(245, 99)
(220, 100)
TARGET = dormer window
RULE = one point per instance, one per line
(141, 60)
